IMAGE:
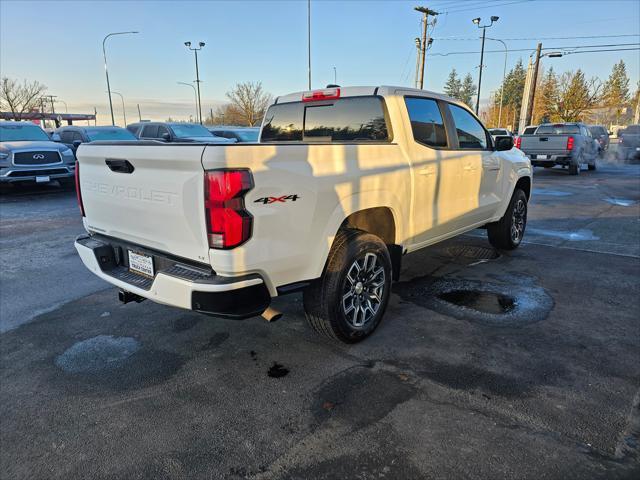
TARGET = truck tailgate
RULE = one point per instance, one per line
(544, 144)
(159, 204)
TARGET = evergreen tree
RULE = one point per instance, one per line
(453, 85)
(546, 101)
(468, 90)
(615, 93)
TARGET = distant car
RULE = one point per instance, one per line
(629, 143)
(240, 134)
(500, 132)
(72, 136)
(601, 135)
(175, 132)
(27, 154)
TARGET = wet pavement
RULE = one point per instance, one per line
(521, 364)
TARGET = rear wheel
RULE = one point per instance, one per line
(507, 233)
(347, 303)
(593, 165)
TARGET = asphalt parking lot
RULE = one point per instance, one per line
(487, 365)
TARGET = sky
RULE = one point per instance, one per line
(368, 42)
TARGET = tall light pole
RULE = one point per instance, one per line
(66, 108)
(195, 50)
(106, 71)
(476, 21)
(309, 41)
(423, 44)
(335, 76)
(504, 75)
(124, 114)
(195, 95)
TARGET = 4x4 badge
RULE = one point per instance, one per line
(282, 199)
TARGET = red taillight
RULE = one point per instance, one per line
(518, 142)
(570, 143)
(316, 95)
(228, 222)
(78, 192)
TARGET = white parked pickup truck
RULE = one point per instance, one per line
(342, 184)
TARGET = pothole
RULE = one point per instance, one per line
(472, 252)
(97, 354)
(487, 302)
(515, 303)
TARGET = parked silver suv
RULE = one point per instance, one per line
(27, 154)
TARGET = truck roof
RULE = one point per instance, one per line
(384, 90)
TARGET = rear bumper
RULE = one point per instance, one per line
(177, 283)
(551, 159)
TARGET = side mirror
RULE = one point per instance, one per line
(166, 137)
(503, 142)
(56, 137)
(76, 144)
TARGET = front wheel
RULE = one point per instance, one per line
(507, 233)
(347, 303)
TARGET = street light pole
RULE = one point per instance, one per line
(309, 41)
(124, 113)
(195, 51)
(106, 70)
(194, 93)
(504, 75)
(335, 76)
(476, 21)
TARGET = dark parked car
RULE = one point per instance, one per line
(72, 136)
(601, 135)
(629, 143)
(240, 134)
(27, 154)
(174, 132)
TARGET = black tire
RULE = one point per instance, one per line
(500, 233)
(574, 169)
(327, 299)
(593, 166)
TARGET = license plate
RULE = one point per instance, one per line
(542, 157)
(140, 263)
(42, 179)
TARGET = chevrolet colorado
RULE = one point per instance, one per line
(343, 183)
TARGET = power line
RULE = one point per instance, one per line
(544, 38)
(607, 50)
(495, 5)
(546, 48)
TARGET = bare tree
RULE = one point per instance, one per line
(250, 101)
(576, 95)
(20, 98)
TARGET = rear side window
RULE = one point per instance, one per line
(426, 121)
(471, 134)
(150, 131)
(348, 119)
(529, 130)
(559, 129)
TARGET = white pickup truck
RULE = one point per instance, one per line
(342, 184)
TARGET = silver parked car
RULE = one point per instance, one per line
(27, 154)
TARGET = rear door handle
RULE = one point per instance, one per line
(119, 166)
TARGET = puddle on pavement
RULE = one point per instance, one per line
(487, 302)
(277, 371)
(97, 354)
(575, 236)
(621, 202)
(550, 193)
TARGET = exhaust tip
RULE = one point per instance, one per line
(271, 315)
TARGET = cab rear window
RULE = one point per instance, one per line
(351, 119)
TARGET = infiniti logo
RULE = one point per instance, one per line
(38, 156)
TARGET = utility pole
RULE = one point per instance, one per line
(418, 50)
(139, 114)
(424, 42)
(534, 81)
(211, 113)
